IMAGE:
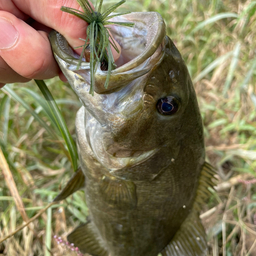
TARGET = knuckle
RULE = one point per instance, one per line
(35, 70)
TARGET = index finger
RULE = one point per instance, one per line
(48, 13)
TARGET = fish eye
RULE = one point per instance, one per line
(168, 105)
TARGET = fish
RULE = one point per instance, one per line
(141, 147)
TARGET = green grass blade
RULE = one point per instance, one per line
(232, 68)
(212, 66)
(217, 123)
(2, 103)
(253, 98)
(79, 202)
(48, 235)
(31, 119)
(41, 101)
(75, 212)
(214, 19)
(6, 120)
(248, 75)
(13, 95)
(245, 16)
(60, 122)
(5, 112)
(246, 154)
(44, 106)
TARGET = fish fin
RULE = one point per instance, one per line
(190, 240)
(85, 239)
(76, 182)
(205, 188)
(121, 193)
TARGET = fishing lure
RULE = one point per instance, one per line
(99, 39)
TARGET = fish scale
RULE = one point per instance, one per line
(143, 165)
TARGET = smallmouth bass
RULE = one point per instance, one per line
(141, 147)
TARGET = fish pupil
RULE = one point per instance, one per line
(167, 105)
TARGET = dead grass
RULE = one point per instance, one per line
(220, 52)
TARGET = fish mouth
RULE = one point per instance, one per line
(140, 51)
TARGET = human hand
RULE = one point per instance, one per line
(25, 51)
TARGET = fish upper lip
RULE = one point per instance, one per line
(156, 33)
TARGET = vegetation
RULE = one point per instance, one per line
(217, 41)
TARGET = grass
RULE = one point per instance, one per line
(217, 41)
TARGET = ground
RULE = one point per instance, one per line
(217, 41)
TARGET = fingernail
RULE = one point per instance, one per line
(8, 34)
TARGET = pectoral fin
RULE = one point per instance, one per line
(120, 193)
(85, 239)
(76, 182)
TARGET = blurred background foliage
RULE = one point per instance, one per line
(218, 42)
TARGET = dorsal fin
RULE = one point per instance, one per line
(190, 240)
(85, 239)
(76, 182)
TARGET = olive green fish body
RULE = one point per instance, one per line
(141, 149)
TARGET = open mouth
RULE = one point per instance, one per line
(140, 50)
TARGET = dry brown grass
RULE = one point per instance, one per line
(227, 97)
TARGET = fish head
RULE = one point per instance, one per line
(150, 101)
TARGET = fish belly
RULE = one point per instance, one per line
(143, 229)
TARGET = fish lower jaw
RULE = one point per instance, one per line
(92, 135)
(118, 161)
(125, 162)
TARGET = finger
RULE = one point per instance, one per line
(9, 6)
(8, 75)
(48, 13)
(25, 50)
(62, 77)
